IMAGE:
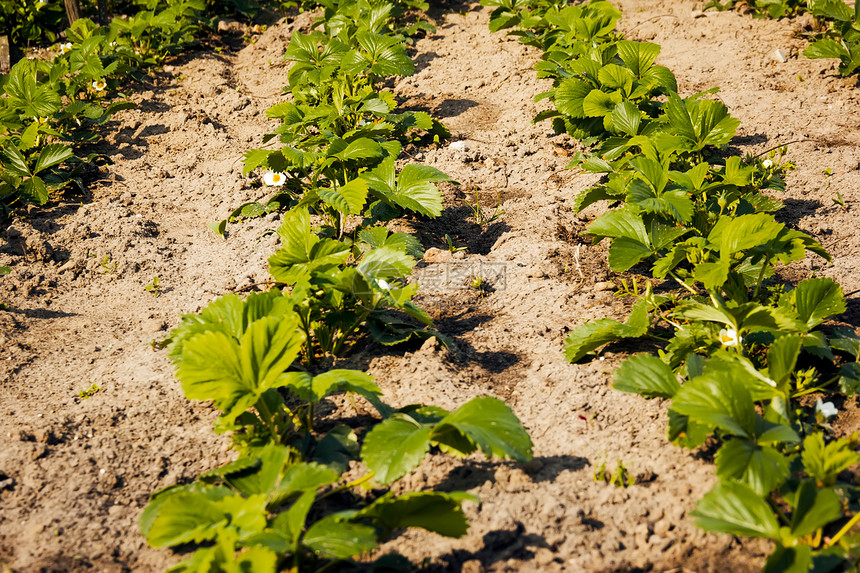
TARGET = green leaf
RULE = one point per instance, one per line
(627, 118)
(638, 56)
(416, 189)
(380, 237)
(826, 48)
(817, 300)
(315, 389)
(685, 432)
(646, 375)
(592, 335)
(844, 340)
(34, 99)
(434, 511)
(720, 400)
(338, 539)
(570, 95)
(383, 55)
(194, 517)
(623, 222)
(348, 199)
(337, 448)
(796, 559)
(615, 77)
(736, 234)
(362, 148)
(624, 253)
(736, 509)
(302, 478)
(413, 189)
(782, 357)
(825, 462)
(303, 252)
(13, 161)
(234, 374)
(292, 521)
(849, 379)
(384, 263)
(488, 424)
(34, 190)
(679, 117)
(762, 468)
(254, 158)
(395, 447)
(814, 508)
(598, 104)
(52, 154)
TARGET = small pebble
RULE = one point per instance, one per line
(780, 57)
(459, 146)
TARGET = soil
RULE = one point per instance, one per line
(76, 471)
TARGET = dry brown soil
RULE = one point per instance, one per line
(75, 473)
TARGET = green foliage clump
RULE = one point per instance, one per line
(739, 351)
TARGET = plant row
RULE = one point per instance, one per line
(29, 23)
(50, 109)
(836, 31)
(291, 500)
(739, 351)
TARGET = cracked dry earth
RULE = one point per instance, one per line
(76, 473)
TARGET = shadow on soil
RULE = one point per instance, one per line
(795, 210)
(499, 545)
(473, 473)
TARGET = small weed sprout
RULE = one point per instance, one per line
(481, 215)
(108, 266)
(89, 392)
(451, 246)
(620, 478)
(840, 201)
(629, 289)
(481, 286)
(154, 286)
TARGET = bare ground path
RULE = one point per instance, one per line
(82, 469)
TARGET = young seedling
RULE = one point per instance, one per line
(839, 201)
(481, 215)
(154, 286)
(108, 266)
(89, 392)
(481, 286)
(451, 246)
(621, 477)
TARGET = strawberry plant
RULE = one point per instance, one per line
(738, 350)
(28, 22)
(841, 40)
(769, 8)
(287, 499)
(291, 499)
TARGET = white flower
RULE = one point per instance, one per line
(112, 44)
(730, 337)
(274, 179)
(826, 409)
(67, 47)
(99, 85)
(383, 284)
(767, 163)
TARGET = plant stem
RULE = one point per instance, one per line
(682, 283)
(363, 479)
(268, 418)
(845, 529)
(760, 279)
